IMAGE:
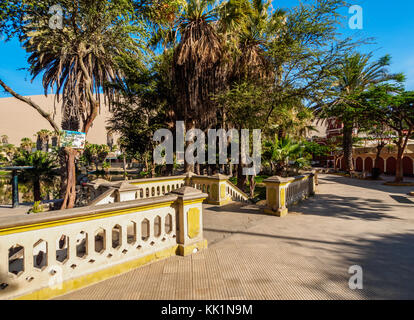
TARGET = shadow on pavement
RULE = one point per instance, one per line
(345, 207)
(367, 184)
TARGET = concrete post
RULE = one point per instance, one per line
(190, 220)
(276, 195)
(218, 190)
(312, 183)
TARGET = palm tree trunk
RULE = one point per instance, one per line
(252, 186)
(36, 190)
(187, 166)
(347, 147)
(70, 194)
(63, 172)
(241, 179)
(124, 165)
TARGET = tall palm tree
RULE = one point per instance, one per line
(355, 75)
(4, 139)
(258, 25)
(197, 63)
(26, 144)
(42, 142)
(195, 35)
(248, 45)
(79, 59)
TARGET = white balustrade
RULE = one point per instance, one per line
(52, 250)
(282, 193)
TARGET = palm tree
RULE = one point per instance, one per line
(4, 139)
(78, 60)
(249, 42)
(43, 171)
(279, 152)
(8, 151)
(81, 58)
(355, 75)
(96, 153)
(198, 70)
(249, 62)
(26, 144)
(197, 63)
(42, 143)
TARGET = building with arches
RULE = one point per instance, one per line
(364, 159)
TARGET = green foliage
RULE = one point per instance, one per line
(146, 96)
(316, 149)
(144, 174)
(356, 74)
(37, 207)
(106, 165)
(95, 153)
(242, 101)
(43, 171)
(284, 153)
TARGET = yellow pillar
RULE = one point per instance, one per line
(218, 194)
(276, 188)
(190, 220)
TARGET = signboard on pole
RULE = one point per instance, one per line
(73, 139)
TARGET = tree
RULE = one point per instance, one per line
(290, 56)
(43, 171)
(42, 143)
(250, 67)
(393, 107)
(78, 59)
(196, 34)
(26, 144)
(143, 107)
(8, 151)
(280, 153)
(4, 139)
(355, 75)
(383, 136)
(96, 153)
(239, 104)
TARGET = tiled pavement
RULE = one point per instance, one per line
(305, 255)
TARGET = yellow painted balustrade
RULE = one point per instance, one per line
(219, 189)
(281, 193)
(48, 254)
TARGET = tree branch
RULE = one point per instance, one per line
(33, 105)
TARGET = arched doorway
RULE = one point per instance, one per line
(408, 166)
(359, 164)
(369, 164)
(391, 165)
(380, 165)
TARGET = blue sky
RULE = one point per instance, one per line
(389, 22)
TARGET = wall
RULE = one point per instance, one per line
(19, 120)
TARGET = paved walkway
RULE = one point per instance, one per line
(305, 255)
